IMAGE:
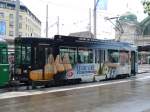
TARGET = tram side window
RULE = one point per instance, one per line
(124, 57)
(113, 56)
(23, 54)
(3, 56)
(85, 55)
(26, 54)
(73, 55)
(48, 51)
(71, 52)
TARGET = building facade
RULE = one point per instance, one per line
(129, 28)
(29, 24)
(137, 33)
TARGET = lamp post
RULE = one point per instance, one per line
(58, 25)
(94, 18)
(46, 20)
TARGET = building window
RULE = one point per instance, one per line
(2, 5)
(20, 34)
(11, 24)
(20, 25)
(26, 26)
(11, 16)
(10, 7)
(1, 15)
(11, 33)
(20, 17)
(2, 27)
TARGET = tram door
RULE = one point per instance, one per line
(133, 63)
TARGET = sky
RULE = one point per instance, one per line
(74, 15)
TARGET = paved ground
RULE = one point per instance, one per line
(128, 95)
(144, 68)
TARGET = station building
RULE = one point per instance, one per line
(138, 33)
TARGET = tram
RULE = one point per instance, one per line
(68, 58)
(4, 65)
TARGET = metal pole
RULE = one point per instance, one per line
(90, 23)
(47, 20)
(17, 18)
(58, 25)
(95, 19)
(90, 20)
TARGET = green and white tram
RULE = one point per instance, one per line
(4, 65)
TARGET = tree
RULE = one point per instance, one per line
(146, 5)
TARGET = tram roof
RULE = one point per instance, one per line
(105, 44)
(77, 41)
(30, 40)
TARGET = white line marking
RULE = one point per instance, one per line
(37, 92)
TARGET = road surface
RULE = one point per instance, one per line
(127, 95)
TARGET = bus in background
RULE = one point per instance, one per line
(71, 59)
(4, 65)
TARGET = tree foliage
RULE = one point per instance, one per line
(146, 5)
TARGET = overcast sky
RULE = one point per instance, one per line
(74, 14)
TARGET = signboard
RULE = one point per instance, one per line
(2, 28)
